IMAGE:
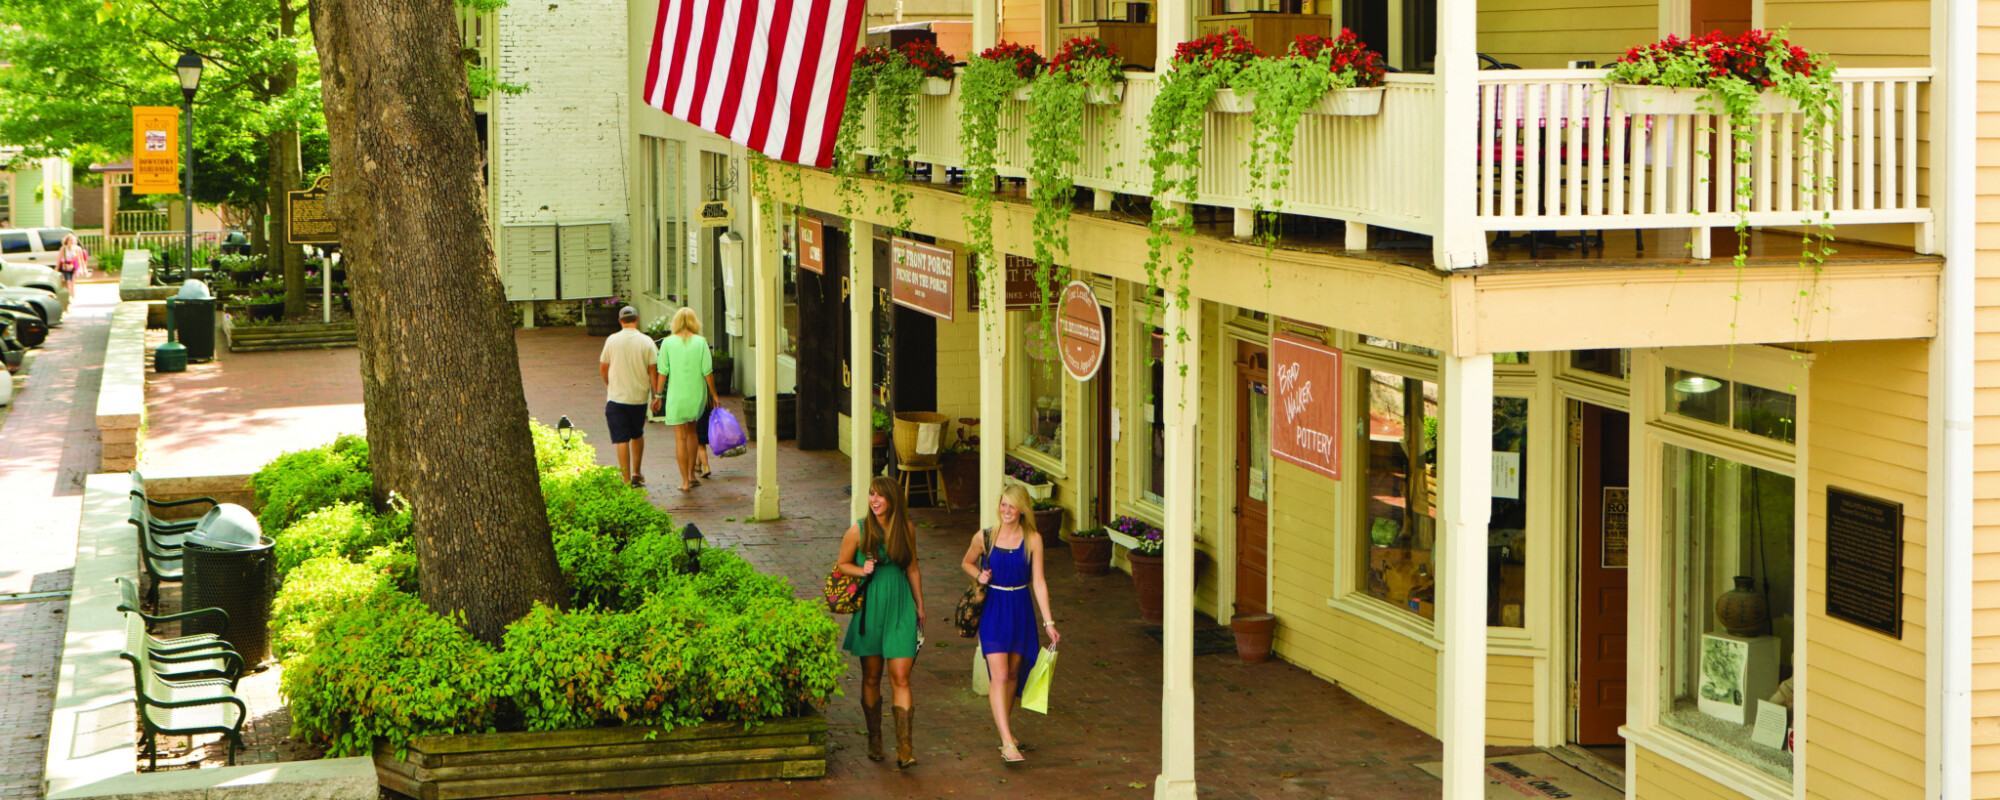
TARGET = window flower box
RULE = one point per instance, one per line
(1634, 99)
(936, 87)
(1105, 95)
(1036, 491)
(1365, 102)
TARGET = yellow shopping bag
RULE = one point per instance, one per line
(1035, 696)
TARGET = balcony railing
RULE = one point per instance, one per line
(1552, 153)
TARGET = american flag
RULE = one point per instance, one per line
(768, 74)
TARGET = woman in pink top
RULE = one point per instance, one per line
(70, 260)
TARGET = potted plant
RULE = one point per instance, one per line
(1025, 475)
(1145, 558)
(1048, 520)
(724, 366)
(1741, 76)
(1091, 549)
(600, 316)
(1253, 636)
(959, 463)
(1021, 60)
(1094, 63)
(933, 63)
(657, 329)
(880, 421)
(266, 300)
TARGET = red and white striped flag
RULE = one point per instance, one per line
(767, 74)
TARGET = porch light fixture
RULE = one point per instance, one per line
(691, 539)
(1697, 384)
(564, 428)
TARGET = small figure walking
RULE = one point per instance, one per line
(627, 367)
(70, 260)
(882, 547)
(1012, 569)
(685, 373)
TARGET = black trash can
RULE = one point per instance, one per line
(227, 563)
(191, 315)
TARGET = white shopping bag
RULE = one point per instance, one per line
(980, 680)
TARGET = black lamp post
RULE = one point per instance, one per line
(189, 68)
(691, 539)
(563, 429)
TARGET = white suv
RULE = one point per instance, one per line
(33, 276)
(32, 245)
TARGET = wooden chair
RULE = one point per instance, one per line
(931, 483)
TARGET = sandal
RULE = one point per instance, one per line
(693, 482)
(1016, 758)
(638, 479)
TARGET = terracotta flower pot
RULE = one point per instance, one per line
(1092, 555)
(1049, 525)
(1253, 636)
(1147, 576)
(961, 479)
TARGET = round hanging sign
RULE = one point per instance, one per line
(1080, 331)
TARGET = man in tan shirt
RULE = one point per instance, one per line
(627, 367)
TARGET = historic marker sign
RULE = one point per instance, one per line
(156, 150)
(924, 276)
(1305, 424)
(1080, 331)
(1864, 561)
(812, 244)
(311, 222)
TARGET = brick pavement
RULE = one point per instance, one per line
(1269, 730)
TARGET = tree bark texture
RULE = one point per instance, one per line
(285, 176)
(447, 421)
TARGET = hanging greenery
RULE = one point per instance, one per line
(1056, 113)
(1284, 87)
(892, 81)
(987, 83)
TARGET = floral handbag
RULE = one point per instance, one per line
(973, 603)
(843, 592)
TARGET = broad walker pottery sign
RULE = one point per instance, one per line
(1305, 383)
(1081, 331)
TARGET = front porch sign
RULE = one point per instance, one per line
(311, 222)
(812, 244)
(924, 276)
(156, 150)
(1081, 331)
(1864, 561)
(1305, 376)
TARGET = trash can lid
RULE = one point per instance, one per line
(228, 527)
(193, 290)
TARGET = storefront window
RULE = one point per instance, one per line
(1609, 363)
(1507, 528)
(1391, 344)
(1755, 410)
(1036, 409)
(1154, 417)
(1401, 486)
(666, 188)
(1731, 529)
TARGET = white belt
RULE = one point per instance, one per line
(1009, 588)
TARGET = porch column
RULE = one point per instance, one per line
(992, 396)
(765, 262)
(1466, 503)
(985, 26)
(1174, 24)
(861, 362)
(1181, 400)
(1459, 242)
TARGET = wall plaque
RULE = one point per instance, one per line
(812, 244)
(311, 221)
(1617, 543)
(1081, 331)
(1864, 561)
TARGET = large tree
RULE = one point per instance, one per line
(447, 420)
(77, 65)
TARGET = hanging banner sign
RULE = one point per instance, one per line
(924, 276)
(311, 222)
(812, 244)
(1080, 328)
(156, 150)
(1305, 423)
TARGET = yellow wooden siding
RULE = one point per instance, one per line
(1986, 430)
(1659, 778)
(1869, 434)
(958, 373)
(1858, 33)
(1548, 34)
(1510, 700)
(1021, 22)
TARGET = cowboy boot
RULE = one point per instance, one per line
(873, 714)
(906, 757)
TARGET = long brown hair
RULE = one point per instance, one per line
(902, 539)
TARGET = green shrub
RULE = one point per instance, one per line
(389, 670)
(581, 668)
(314, 591)
(552, 458)
(598, 500)
(346, 530)
(397, 563)
(747, 657)
(298, 483)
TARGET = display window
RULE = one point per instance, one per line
(1400, 487)
(1035, 411)
(1153, 430)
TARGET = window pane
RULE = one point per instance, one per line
(1765, 412)
(1511, 357)
(1697, 396)
(1155, 418)
(52, 238)
(13, 243)
(1401, 488)
(1731, 528)
(1609, 363)
(1391, 344)
(1507, 530)
(1037, 405)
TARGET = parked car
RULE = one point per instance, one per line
(25, 275)
(45, 302)
(12, 352)
(28, 325)
(33, 245)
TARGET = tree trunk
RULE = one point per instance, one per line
(259, 242)
(447, 421)
(285, 169)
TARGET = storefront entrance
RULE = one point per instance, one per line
(1600, 447)
(1253, 451)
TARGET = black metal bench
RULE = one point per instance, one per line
(129, 602)
(183, 707)
(143, 505)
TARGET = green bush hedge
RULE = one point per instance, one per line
(315, 591)
(299, 483)
(389, 670)
(347, 530)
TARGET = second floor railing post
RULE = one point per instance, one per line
(985, 26)
(1460, 241)
(1175, 25)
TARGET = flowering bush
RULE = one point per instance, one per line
(1757, 58)
(1025, 472)
(928, 59)
(1082, 51)
(1151, 541)
(1343, 54)
(1026, 61)
(874, 56)
(613, 302)
(1216, 48)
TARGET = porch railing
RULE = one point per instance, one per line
(141, 221)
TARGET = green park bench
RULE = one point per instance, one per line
(183, 707)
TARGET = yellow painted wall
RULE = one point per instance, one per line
(1869, 434)
(1986, 456)
(1217, 431)
(958, 370)
(1548, 34)
(1659, 778)
(1857, 33)
(1021, 22)
(1510, 700)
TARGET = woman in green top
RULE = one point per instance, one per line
(882, 547)
(686, 373)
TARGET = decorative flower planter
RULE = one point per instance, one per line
(267, 312)
(961, 479)
(1253, 636)
(1023, 93)
(1147, 577)
(936, 87)
(1105, 95)
(1036, 491)
(1634, 99)
(1349, 103)
(1229, 101)
(1092, 554)
(600, 320)
(1049, 525)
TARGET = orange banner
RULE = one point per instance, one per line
(156, 150)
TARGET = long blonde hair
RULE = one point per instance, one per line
(1017, 497)
(901, 537)
(686, 321)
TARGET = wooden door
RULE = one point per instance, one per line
(1253, 477)
(1728, 16)
(1602, 557)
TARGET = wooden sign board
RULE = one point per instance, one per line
(311, 221)
(924, 276)
(1080, 327)
(156, 150)
(812, 244)
(1305, 414)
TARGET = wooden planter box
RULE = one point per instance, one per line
(1668, 100)
(300, 336)
(459, 767)
(1336, 103)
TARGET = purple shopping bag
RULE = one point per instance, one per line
(725, 437)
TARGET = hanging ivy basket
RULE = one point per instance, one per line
(936, 87)
(1635, 99)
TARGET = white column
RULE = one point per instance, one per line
(1459, 242)
(1174, 25)
(765, 262)
(1181, 400)
(861, 361)
(1466, 500)
(985, 26)
(992, 397)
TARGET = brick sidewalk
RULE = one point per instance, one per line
(1269, 730)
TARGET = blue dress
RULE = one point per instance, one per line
(1009, 623)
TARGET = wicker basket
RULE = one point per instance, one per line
(909, 424)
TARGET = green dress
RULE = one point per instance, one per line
(886, 626)
(685, 363)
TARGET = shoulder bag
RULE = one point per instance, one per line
(973, 603)
(844, 592)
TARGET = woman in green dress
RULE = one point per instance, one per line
(882, 548)
(686, 373)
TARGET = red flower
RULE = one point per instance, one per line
(928, 58)
(1026, 61)
(1080, 50)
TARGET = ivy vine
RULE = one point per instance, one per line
(985, 85)
(1056, 115)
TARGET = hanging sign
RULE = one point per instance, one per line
(309, 221)
(156, 150)
(923, 276)
(812, 244)
(1080, 331)
(1305, 376)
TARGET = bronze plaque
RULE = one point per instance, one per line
(311, 222)
(1864, 561)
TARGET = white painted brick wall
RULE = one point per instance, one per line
(560, 152)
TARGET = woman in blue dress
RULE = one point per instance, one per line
(882, 548)
(1008, 629)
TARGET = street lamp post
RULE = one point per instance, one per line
(189, 69)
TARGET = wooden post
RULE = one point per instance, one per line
(985, 25)
(1181, 400)
(992, 395)
(1466, 504)
(765, 261)
(861, 362)
(1175, 25)
(1460, 241)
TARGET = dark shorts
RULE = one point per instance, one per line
(627, 421)
(701, 424)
